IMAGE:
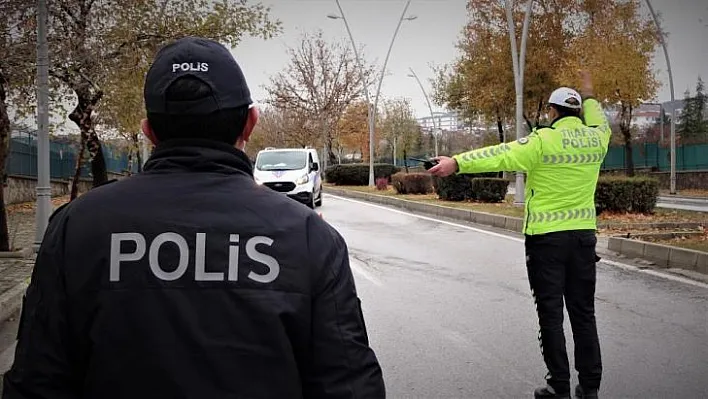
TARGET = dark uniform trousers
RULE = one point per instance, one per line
(562, 265)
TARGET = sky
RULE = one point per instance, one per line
(430, 41)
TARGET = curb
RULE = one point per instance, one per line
(655, 225)
(663, 255)
(503, 222)
(11, 301)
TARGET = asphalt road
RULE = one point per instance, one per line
(450, 314)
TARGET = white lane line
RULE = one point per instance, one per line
(667, 276)
(625, 266)
(360, 269)
(491, 233)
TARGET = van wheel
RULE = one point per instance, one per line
(311, 202)
(318, 202)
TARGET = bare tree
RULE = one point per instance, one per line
(17, 59)
(321, 80)
(94, 43)
(400, 128)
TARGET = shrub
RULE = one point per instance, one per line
(623, 194)
(456, 187)
(412, 183)
(382, 184)
(489, 189)
(357, 174)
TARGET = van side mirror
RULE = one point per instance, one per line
(315, 167)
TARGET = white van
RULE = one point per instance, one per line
(292, 171)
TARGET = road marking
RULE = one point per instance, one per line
(625, 266)
(359, 269)
(656, 273)
(491, 233)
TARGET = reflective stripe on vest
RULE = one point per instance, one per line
(576, 158)
(470, 156)
(573, 214)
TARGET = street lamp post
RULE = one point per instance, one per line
(672, 185)
(518, 61)
(44, 190)
(432, 116)
(372, 107)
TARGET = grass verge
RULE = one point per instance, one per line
(621, 223)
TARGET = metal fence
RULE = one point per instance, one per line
(654, 156)
(22, 158)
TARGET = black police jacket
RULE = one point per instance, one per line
(191, 281)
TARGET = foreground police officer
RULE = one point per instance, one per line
(189, 280)
(563, 163)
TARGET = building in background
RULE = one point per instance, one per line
(450, 121)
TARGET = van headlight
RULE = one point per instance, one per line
(302, 180)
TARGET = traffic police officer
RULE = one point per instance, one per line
(563, 163)
(190, 280)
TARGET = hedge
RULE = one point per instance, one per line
(357, 174)
(489, 189)
(457, 187)
(412, 183)
(626, 194)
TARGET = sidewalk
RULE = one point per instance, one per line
(16, 269)
(696, 204)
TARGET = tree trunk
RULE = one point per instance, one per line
(81, 115)
(626, 129)
(139, 157)
(77, 170)
(500, 128)
(538, 112)
(4, 149)
(131, 159)
(98, 161)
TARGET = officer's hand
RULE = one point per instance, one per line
(586, 88)
(445, 167)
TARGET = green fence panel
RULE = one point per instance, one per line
(650, 155)
(22, 159)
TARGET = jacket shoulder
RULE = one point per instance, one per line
(63, 209)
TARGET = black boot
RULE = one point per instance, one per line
(585, 393)
(549, 392)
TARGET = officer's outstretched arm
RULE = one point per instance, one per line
(520, 155)
(341, 364)
(43, 366)
(595, 117)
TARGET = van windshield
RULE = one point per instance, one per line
(281, 160)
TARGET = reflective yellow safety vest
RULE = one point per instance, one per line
(563, 164)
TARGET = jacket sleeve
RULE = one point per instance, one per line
(342, 364)
(43, 367)
(520, 155)
(595, 118)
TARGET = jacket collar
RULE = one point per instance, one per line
(566, 121)
(198, 155)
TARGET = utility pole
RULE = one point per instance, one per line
(44, 189)
(518, 62)
(672, 185)
(430, 107)
(373, 107)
